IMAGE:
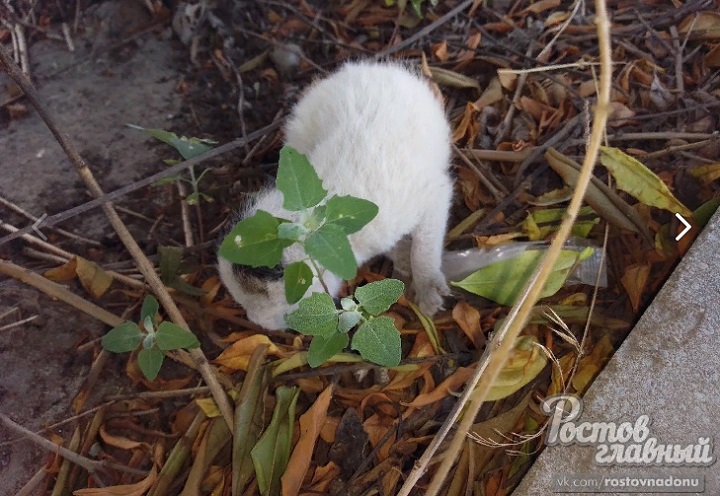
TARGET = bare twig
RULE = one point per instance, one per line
(86, 463)
(481, 177)
(19, 210)
(7, 327)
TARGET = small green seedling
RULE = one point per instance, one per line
(376, 339)
(188, 148)
(322, 229)
(155, 339)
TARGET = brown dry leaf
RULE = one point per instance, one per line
(237, 356)
(468, 126)
(453, 79)
(712, 58)
(377, 426)
(311, 423)
(446, 387)
(702, 26)
(634, 280)
(137, 489)
(541, 6)
(556, 18)
(620, 115)
(492, 94)
(472, 191)
(591, 364)
(94, 279)
(63, 273)
(121, 442)
(468, 318)
(440, 51)
(211, 288)
(495, 429)
(322, 478)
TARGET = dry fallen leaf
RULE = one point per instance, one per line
(137, 489)
(237, 356)
(311, 423)
(591, 364)
(634, 280)
(93, 278)
(634, 178)
(468, 318)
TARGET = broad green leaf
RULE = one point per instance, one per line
(254, 241)
(170, 269)
(633, 177)
(376, 297)
(323, 349)
(271, 453)
(348, 320)
(378, 341)
(123, 338)
(173, 337)
(350, 213)
(149, 308)
(315, 316)
(150, 360)
(298, 277)
(704, 212)
(297, 181)
(329, 246)
(503, 281)
(188, 147)
(170, 261)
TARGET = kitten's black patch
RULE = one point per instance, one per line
(261, 273)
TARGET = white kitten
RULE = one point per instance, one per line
(375, 131)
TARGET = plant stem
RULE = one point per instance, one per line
(319, 275)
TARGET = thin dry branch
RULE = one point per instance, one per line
(498, 350)
(145, 266)
(86, 463)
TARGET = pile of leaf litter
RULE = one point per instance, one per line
(518, 80)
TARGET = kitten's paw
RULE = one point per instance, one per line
(429, 294)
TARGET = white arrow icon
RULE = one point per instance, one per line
(684, 231)
(36, 226)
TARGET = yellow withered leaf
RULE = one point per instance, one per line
(526, 361)
(634, 178)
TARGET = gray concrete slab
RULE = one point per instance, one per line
(667, 369)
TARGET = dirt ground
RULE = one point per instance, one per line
(92, 97)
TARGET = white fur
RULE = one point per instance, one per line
(374, 131)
